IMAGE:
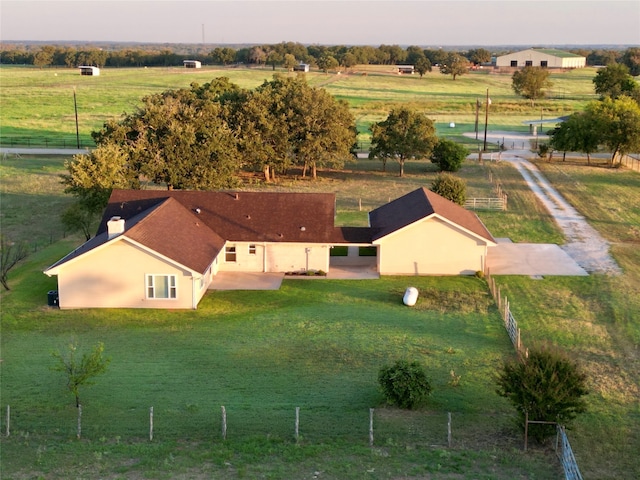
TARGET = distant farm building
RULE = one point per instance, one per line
(192, 64)
(406, 69)
(541, 57)
(301, 67)
(88, 70)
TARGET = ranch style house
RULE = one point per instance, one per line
(162, 249)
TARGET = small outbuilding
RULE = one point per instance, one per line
(406, 69)
(192, 64)
(301, 67)
(541, 57)
(89, 70)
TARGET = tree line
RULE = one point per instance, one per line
(613, 121)
(281, 54)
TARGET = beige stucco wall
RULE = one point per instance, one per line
(430, 247)
(536, 57)
(114, 276)
(276, 257)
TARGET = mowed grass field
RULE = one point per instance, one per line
(318, 344)
(39, 102)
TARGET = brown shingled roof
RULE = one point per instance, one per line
(420, 204)
(171, 230)
(168, 229)
(241, 216)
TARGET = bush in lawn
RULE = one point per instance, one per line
(548, 385)
(449, 155)
(450, 187)
(404, 384)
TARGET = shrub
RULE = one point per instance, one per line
(450, 187)
(547, 384)
(449, 155)
(404, 384)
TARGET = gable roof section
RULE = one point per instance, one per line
(241, 216)
(419, 204)
(166, 228)
(171, 230)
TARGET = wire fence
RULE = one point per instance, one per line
(631, 161)
(563, 447)
(565, 454)
(309, 425)
(45, 142)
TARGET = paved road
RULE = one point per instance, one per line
(42, 151)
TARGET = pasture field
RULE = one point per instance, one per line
(39, 102)
(318, 344)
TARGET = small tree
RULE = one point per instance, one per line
(450, 187)
(404, 384)
(547, 385)
(76, 218)
(80, 372)
(423, 65)
(531, 82)
(614, 81)
(449, 155)
(10, 254)
(454, 65)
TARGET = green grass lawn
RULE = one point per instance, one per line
(316, 344)
(39, 102)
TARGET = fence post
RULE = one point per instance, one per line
(297, 423)
(79, 432)
(506, 311)
(371, 427)
(151, 424)
(224, 423)
(526, 429)
(449, 429)
(518, 340)
(8, 420)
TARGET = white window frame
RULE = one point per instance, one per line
(151, 289)
(230, 250)
(252, 249)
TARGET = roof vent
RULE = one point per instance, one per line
(115, 227)
(236, 196)
(197, 210)
(302, 229)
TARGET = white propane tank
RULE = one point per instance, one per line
(410, 296)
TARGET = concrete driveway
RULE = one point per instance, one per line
(533, 259)
(584, 244)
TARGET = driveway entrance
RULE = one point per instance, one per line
(533, 259)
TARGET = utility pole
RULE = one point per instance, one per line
(75, 106)
(486, 121)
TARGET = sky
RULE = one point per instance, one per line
(327, 22)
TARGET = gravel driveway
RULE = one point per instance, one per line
(583, 243)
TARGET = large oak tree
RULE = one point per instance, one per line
(405, 134)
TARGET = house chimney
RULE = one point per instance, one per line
(115, 227)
